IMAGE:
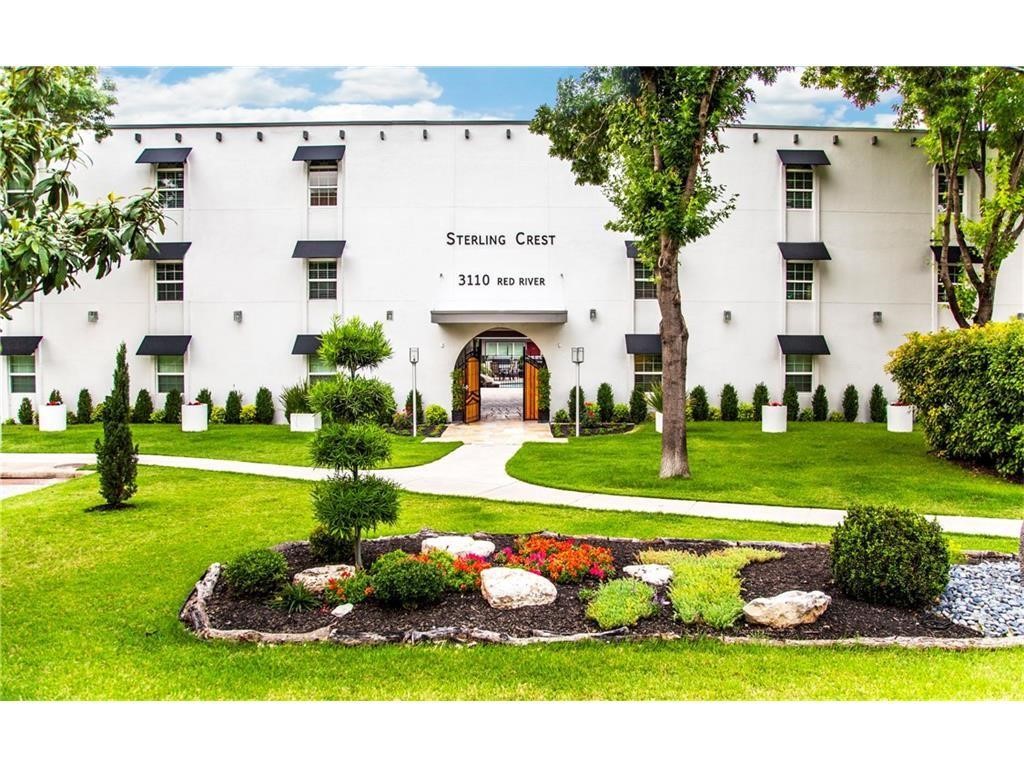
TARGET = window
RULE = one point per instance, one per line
(170, 281)
(319, 370)
(646, 371)
(942, 190)
(170, 184)
(799, 186)
(170, 373)
(799, 280)
(23, 373)
(955, 271)
(643, 280)
(511, 349)
(323, 182)
(798, 371)
(323, 279)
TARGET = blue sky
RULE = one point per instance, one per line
(235, 94)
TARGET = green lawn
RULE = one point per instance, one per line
(814, 464)
(90, 604)
(250, 442)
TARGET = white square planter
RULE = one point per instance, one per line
(53, 418)
(659, 421)
(773, 418)
(305, 422)
(899, 418)
(195, 418)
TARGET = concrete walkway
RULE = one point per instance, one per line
(478, 470)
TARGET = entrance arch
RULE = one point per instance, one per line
(499, 374)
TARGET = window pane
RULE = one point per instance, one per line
(799, 363)
(799, 281)
(801, 381)
(22, 363)
(165, 384)
(316, 365)
(170, 363)
(643, 281)
(799, 186)
(21, 384)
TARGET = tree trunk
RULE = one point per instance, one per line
(675, 461)
(357, 547)
(986, 302)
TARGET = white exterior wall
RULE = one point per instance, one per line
(246, 206)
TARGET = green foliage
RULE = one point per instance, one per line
(329, 548)
(836, 417)
(544, 389)
(233, 408)
(729, 403)
(851, 403)
(806, 414)
(714, 414)
(117, 457)
(561, 416)
(350, 447)
(605, 402)
(354, 345)
(968, 388)
(295, 399)
(620, 414)
(435, 415)
(572, 403)
(25, 411)
(401, 421)
(637, 406)
(655, 397)
(143, 409)
(348, 506)
(458, 390)
(877, 405)
(247, 415)
(791, 400)
(83, 412)
(295, 598)
(699, 404)
(621, 603)
(264, 406)
(347, 400)
(419, 406)
(745, 412)
(98, 411)
(256, 573)
(890, 556)
(760, 398)
(204, 396)
(401, 580)
(353, 589)
(55, 397)
(217, 414)
(819, 404)
(172, 407)
(157, 416)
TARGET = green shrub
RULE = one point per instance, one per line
(55, 398)
(760, 398)
(419, 406)
(637, 406)
(572, 403)
(851, 403)
(328, 548)
(25, 411)
(401, 580)
(72, 417)
(98, 411)
(745, 412)
(561, 416)
(806, 414)
(877, 405)
(458, 390)
(295, 399)
(435, 415)
(401, 421)
(889, 556)
(605, 402)
(157, 416)
(296, 598)
(348, 400)
(621, 603)
(819, 404)
(233, 408)
(714, 414)
(217, 414)
(699, 404)
(84, 411)
(353, 345)
(729, 402)
(656, 399)
(968, 389)
(354, 589)
(620, 413)
(256, 573)
(791, 400)
(264, 406)
(544, 389)
(247, 415)
(836, 417)
(204, 396)
(347, 507)
(350, 447)
(117, 457)
(172, 407)
(143, 410)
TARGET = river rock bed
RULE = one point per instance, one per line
(987, 597)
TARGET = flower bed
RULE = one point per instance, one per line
(568, 429)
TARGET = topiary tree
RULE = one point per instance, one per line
(25, 411)
(729, 403)
(346, 400)
(204, 396)
(851, 403)
(637, 406)
(760, 398)
(354, 345)
(877, 404)
(572, 403)
(172, 407)
(791, 400)
(347, 507)
(143, 409)
(233, 408)
(605, 402)
(419, 406)
(699, 404)
(819, 404)
(117, 457)
(264, 406)
(84, 409)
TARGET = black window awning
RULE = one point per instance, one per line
(803, 157)
(954, 254)
(643, 344)
(804, 252)
(306, 344)
(329, 152)
(164, 345)
(167, 251)
(630, 249)
(18, 345)
(318, 249)
(803, 345)
(168, 155)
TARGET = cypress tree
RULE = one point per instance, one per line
(84, 410)
(819, 404)
(117, 457)
(637, 406)
(605, 402)
(143, 408)
(699, 404)
(572, 404)
(729, 403)
(264, 406)
(172, 407)
(877, 404)
(204, 396)
(851, 403)
(25, 411)
(791, 400)
(233, 408)
(760, 398)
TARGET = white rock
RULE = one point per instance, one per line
(342, 610)
(457, 546)
(655, 575)
(787, 609)
(509, 588)
(315, 579)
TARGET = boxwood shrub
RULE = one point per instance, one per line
(401, 580)
(257, 572)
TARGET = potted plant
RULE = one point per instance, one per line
(458, 397)
(53, 416)
(295, 400)
(195, 416)
(773, 417)
(544, 395)
(655, 399)
(899, 417)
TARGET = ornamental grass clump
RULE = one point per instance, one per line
(621, 603)
(295, 598)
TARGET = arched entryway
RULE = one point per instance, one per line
(499, 373)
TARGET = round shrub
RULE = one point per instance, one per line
(401, 421)
(435, 415)
(256, 572)
(745, 412)
(25, 411)
(247, 415)
(621, 603)
(401, 580)
(329, 548)
(217, 414)
(620, 413)
(889, 556)
(561, 416)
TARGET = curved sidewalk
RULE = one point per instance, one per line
(478, 471)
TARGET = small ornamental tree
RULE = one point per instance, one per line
(819, 404)
(877, 404)
(143, 408)
(344, 400)
(729, 403)
(25, 411)
(637, 406)
(354, 345)
(791, 400)
(233, 408)
(84, 410)
(851, 403)
(172, 407)
(264, 406)
(117, 457)
(699, 404)
(605, 402)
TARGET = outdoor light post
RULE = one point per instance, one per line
(577, 358)
(414, 357)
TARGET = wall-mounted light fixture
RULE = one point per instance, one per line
(93, 315)
(219, 136)
(874, 140)
(237, 314)
(341, 134)
(876, 317)
(508, 133)
(425, 134)
(467, 133)
(593, 314)
(389, 315)
(727, 316)
(177, 137)
(259, 135)
(138, 138)
(305, 135)
(796, 138)
(755, 137)
(382, 135)
(835, 138)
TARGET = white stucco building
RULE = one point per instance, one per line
(450, 232)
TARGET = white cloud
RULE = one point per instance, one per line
(383, 84)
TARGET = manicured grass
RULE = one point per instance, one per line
(266, 444)
(90, 602)
(814, 464)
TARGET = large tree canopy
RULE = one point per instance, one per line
(974, 123)
(47, 236)
(646, 135)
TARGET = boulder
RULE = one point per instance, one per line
(342, 610)
(655, 575)
(456, 546)
(787, 609)
(315, 579)
(509, 588)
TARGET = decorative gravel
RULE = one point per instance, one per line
(987, 597)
